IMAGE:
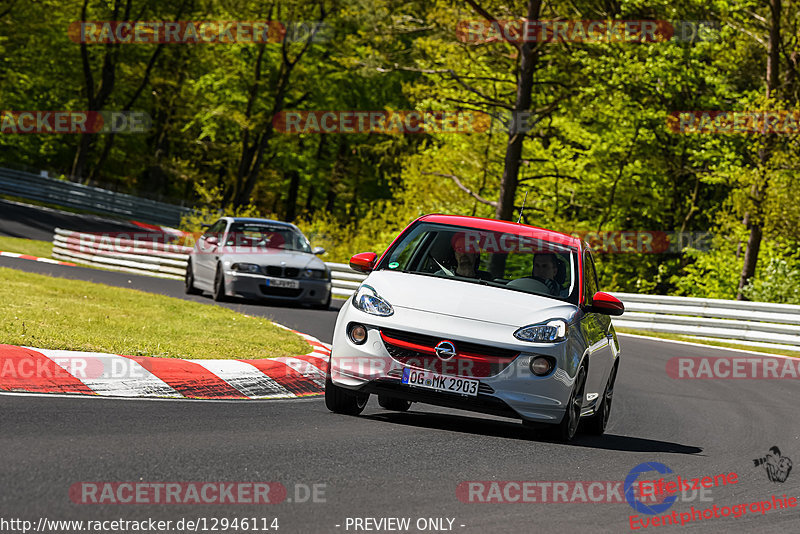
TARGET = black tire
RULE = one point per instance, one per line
(344, 401)
(219, 286)
(188, 281)
(391, 403)
(597, 423)
(568, 426)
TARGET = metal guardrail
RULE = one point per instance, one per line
(757, 323)
(68, 194)
(112, 252)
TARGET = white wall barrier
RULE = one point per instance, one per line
(755, 323)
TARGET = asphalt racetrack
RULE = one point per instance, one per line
(396, 465)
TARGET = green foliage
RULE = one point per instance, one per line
(711, 275)
(777, 281)
(600, 158)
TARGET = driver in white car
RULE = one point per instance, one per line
(545, 269)
(466, 261)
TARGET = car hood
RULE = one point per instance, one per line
(300, 260)
(467, 300)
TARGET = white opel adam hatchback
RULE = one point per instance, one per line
(482, 315)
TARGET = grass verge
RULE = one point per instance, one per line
(55, 313)
(42, 249)
(714, 343)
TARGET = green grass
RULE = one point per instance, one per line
(42, 249)
(55, 313)
(679, 337)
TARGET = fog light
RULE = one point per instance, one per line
(540, 366)
(357, 333)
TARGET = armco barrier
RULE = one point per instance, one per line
(757, 323)
(68, 194)
(141, 257)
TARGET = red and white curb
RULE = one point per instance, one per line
(35, 258)
(26, 369)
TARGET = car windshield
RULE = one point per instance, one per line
(264, 236)
(512, 261)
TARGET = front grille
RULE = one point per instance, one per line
(281, 291)
(431, 341)
(471, 360)
(282, 272)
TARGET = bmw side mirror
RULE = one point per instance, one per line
(606, 304)
(317, 251)
(363, 262)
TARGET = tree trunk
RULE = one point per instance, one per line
(291, 202)
(527, 65)
(755, 226)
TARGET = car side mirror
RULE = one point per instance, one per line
(212, 240)
(317, 251)
(606, 304)
(363, 262)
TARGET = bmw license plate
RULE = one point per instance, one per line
(280, 282)
(451, 384)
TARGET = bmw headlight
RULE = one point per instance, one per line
(246, 268)
(367, 300)
(317, 274)
(550, 332)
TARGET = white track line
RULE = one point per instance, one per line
(707, 346)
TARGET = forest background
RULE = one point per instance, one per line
(597, 153)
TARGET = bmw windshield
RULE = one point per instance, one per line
(505, 260)
(263, 236)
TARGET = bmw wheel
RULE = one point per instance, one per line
(189, 281)
(568, 427)
(344, 401)
(219, 285)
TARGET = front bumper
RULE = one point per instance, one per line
(254, 287)
(513, 392)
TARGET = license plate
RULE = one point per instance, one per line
(428, 380)
(279, 282)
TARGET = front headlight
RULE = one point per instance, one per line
(550, 332)
(367, 300)
(246, 268)
(317, 274)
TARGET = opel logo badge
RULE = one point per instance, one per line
(445, 350)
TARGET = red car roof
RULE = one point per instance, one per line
(493, 225)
